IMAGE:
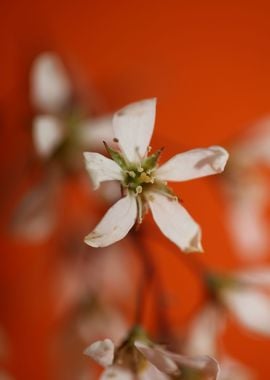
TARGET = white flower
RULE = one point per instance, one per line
(51, 88)
(203, 337)
(144, 183)
(246, 190)
(232, 369)
(204, 331)
(138, 358)
(247, 296)
(60, 121)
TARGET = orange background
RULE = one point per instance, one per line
(208, 63)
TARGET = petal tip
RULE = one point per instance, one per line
(88, 240)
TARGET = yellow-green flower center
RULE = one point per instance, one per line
(136, 178)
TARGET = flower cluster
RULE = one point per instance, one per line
(139, 358)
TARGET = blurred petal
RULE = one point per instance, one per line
(204, 331)
(193, 164)
(101, 168)
(115, 224)
(246, 215)
(254, 145)
(172, 363)
(133, 127)
(116, 373)
(48, 133)
(94, 131)
(256, 277)
(35, 217)
(151, 372)
(175, 222)
(157, 358)
(101, 351)
(231, 369)
(50, 85)
(250, 307)
(204, 367)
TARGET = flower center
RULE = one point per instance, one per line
(136, 178)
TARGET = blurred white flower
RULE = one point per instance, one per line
(204, 331)
(138, 358)
(51, 88)
(60, 122)
(246, 190)
(60, 131)
(246, 295)
(144, 183)
(204, 337)
(231, 369)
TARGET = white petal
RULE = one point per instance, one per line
(151, 372)
(250, 307)
(204, 332)
(133, 126)
(231, 369)
(256, 277)
(101, 351)
(157, 358)
(254, 145)
(194, 163)
(170, 362)
(115, 224)
(48, 133)
(50, 85)
(101, 168)
(246, 218)
(35, 217)
(94, 131)
(117, 373)
(175, 222)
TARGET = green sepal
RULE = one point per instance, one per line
(150, 162)
(116, 156)
(164, 189)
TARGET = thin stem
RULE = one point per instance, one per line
(149, 273)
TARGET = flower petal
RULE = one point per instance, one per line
(133, 127)
(35, 217)
(172, 364)
(256, 276)
(203, 367)
(50, 85)
(231, 369)
(194, 163)
(246, 219)
(175, 222)
(151, 372)
(101, 168)
(48, 133)
(157, 358)
(250, 307)
(101, 351)
(115, 224)
(117, 373)
(93, 132)
(204, 331)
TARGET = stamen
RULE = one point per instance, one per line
(145, 178)
(132, 174)
(138, 189)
